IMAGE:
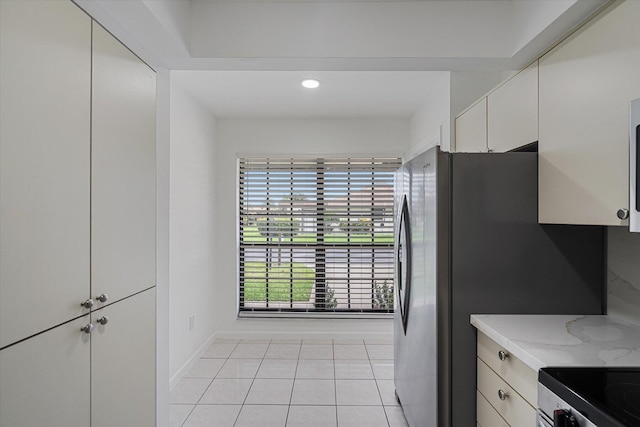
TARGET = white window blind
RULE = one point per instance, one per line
(316, 234)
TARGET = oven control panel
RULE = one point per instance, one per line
(555, 412)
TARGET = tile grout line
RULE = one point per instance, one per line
(384, 411)
(264, 357)
(207, 388)
(251, 385)
(293, 386)
(335, 381)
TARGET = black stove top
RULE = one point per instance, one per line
(606, 396)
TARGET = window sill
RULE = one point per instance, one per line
(312, 315)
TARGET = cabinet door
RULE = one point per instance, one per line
(512, 112)
(45, 60)
(586, 84)
(123, 367)
(471, 129)
(44, 381)
(123, 208)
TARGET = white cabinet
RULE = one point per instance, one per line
(507, 387)
(505, 119)
(44, 381)
(512, 112)
(66, 377)
(123, 204)
(471, 129)
(487, 416)
(586, 84)
(45, 81)
(123, 370)
(77, 219)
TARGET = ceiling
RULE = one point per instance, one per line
(381, 58)
(342, 94)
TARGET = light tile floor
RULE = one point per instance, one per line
(292, 383)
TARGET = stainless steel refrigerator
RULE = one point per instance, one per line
(468, 241)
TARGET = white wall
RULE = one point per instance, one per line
(429, 125)
(192, 228)
(162, 248)
(340, 29)
(246, 136)
(623, 276)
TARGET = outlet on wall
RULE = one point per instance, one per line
(192, 322)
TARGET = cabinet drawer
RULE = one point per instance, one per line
(514, 409)
(515, 372)
(487, 416)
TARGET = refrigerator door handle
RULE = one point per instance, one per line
(403, 262)
(634, 168)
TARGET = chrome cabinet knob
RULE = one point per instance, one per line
(87, 304)
(103, 320)
(503, 355)
(623, 213)
(502, 394)
(103, 298)
(87, 329)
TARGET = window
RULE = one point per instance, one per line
(316, 235)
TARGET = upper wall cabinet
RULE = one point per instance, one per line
(45, 103)
(505, 119)
(123, 184)
(471, 129)
(586, 84)
(512, 112)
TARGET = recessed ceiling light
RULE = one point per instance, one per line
(310, 83)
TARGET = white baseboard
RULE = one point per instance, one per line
(175, 378)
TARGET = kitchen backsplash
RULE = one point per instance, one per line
(623, 274)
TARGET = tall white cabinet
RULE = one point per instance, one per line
(77, 222)
(45, 107)
(123, 180)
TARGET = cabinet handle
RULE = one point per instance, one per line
(103, 320)
(103, 297)
(623, 213)
(503, 355)
(87, 329)
(87, 304)
(502, 394)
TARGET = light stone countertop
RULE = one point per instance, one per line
(563, 340)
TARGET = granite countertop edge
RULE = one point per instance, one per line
(505, 342)
(564, 340)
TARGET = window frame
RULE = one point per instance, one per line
(280, 312)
